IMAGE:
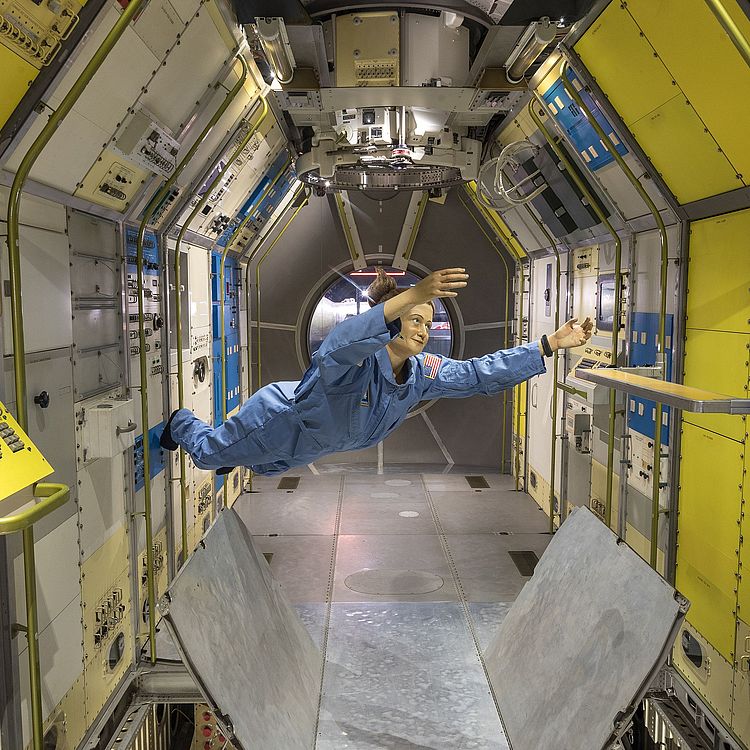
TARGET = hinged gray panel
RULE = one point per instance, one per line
(243, 643)
(582, 642)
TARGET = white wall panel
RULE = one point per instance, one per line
(61, 660)
(35, 212)
(190, 69)
(69, 154)
(101, 498)
(57, 575)
(46, 291)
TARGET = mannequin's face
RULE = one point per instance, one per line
(415, 331)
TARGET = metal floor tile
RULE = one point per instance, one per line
(405, 677)
(280, 512)
(486, 570)
(301, 564)
(383, 517)
(489, 512)
(392, 552)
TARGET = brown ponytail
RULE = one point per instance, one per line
(384, 288)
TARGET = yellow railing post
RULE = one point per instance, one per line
(147, 214)
(14, 201)
(607, 143)
(615, 324)
(54, 496)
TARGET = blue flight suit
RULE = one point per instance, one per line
(348, 399)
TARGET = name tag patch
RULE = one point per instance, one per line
(431, 364)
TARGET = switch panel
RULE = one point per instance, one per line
(147, 143)
(21, 463)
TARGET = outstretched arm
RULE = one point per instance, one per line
(450, 378)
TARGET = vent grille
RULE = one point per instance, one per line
(288, 483)
(525, 561)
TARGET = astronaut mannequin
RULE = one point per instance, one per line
(362, 382)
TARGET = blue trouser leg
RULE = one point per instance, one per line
(214, 448)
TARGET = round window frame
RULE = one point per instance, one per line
(307, 309)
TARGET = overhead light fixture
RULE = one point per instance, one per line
(535, 38)
(275, 43)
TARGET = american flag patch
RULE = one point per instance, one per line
(431, 364)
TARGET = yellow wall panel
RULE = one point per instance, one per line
(683, 153)
(708, 533)
(707, 66)
(623, 63)
(719, 273)
(629, 67)
(17, 77)
(718, 361)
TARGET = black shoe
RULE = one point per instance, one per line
(166, 440)
(224, 470)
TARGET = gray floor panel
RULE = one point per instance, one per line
(279, 512)
(301, 564)
(486, 570)
(489, 512)
(487, 617)
(458, 483)
(403, 675)
(406, 677)
(392, 552)
(313, 618)
(382, 517)
(384, 493)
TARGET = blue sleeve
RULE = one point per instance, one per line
(356, 338)
(453, 378)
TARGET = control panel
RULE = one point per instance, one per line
(35, 30)
(147, 143)
(21, 463)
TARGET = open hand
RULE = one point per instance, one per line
(441, 284)
(571, 334)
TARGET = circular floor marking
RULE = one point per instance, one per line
(397, 482)
(383, 495)
(409, 514)
(393, 582)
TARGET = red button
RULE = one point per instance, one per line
(207, 745)
(206, 716)
(207, 731)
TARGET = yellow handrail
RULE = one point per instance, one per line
(615, 322)
(178, 301)
(222, 326)
(728, 24)
(54, 496)
(507, 306)
(147, 214)
(14, 201)
(607, 143)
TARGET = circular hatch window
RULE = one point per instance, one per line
(346, 297)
